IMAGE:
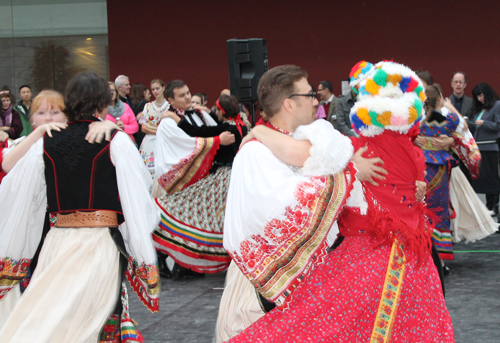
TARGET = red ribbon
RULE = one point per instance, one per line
(220, 107)
(237, 119)
(239, 124)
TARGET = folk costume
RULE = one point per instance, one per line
(380, 284)
(280, 222)
(194, 170)
(4, 148)
(439, 163)
(151, 115)
(102, 231)
(471, 220)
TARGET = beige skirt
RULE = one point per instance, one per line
(239, 306)
(72, 292)
(8, 303)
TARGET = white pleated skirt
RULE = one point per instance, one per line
(8, 303)
(473, 221)
(239, 306)
(73, 290)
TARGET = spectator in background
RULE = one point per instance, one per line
(204, 98)
(121, 113)
(23, 108)
(485, 124)
(10, 120)
(344, 105)
(149, 123)
(140, 97)
(320, 110)
(123, 86)
(425, 77)
(197, 100)
(328, 101)
(460, 101)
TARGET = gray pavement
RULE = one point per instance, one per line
(188, 308)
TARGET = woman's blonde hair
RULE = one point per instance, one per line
(53, 98)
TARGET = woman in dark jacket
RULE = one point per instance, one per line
(10, 120)
(485, 125)
(140, 97)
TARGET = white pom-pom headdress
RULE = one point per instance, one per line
(390, 97)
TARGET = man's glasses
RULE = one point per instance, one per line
(312, 95)
(458, 82)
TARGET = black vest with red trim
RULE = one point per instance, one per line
(80, 176)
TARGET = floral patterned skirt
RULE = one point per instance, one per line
(147, 152)
(438, 200)
(191, 226)
(362, 293)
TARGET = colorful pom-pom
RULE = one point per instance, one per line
(374, 118)
(394, 79)
(371, 87)
(362, 90)
(420, 92)
(380, 78)
(390, 98)
(398, 121)
(412, 85)
(357, 69)
(413, 115)
(405, 83)
(357, 124)
(418, 106)
(364, 116)
(384, 118)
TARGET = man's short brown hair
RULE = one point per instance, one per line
(276, 85)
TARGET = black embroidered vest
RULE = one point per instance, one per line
(79, 175)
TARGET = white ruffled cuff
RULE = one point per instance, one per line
(330, 151)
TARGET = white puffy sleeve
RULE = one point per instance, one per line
(330, 152)
(172, 145)
(277, 222)
(134, 183)
(23, 202)
(11, 145)
(141, 219)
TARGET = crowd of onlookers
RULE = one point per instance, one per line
(129, 102)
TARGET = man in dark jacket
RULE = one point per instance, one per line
(462, 102)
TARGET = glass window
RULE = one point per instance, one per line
(43, 43)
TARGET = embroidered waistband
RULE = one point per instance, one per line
(101, 218)
(428, 145)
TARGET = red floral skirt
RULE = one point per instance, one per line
(362, 293)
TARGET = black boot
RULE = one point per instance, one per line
(495, 203)
(178, 272)
(162, 265)
(495, 206)
(489, 201)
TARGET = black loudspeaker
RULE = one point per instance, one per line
(247, 62)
